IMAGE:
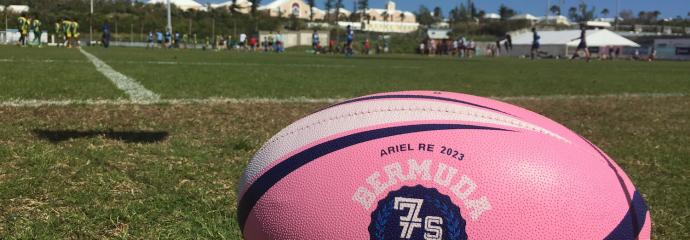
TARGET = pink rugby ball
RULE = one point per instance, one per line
(435, 165)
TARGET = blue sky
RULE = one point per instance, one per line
(668, 8)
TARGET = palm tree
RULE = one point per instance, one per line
(572, 13)
(555, 9)
(605, 12)
(311, 4)
(656, 14)
(329, 6)
(385, 15)
(402, 16)
(338, 6)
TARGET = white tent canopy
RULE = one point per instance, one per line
(492, 16)
(181, 4)
(17, 8)
(570, 38)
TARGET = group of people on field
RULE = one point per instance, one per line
(581, 47)
(66, 31)
(26, 25)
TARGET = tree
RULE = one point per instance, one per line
(605, 12)
(626, 14)
(581, 13)
(363, 5)
(385, 15)
(656, 14)
(329, 6)
(572, 13)
(311, 4)
(338, 6)
(438, 14)
(505, 12)
(424, 16)
(555, 9)
(402, 16)
(255, 5)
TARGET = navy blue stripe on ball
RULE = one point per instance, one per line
(633, 221)
(415, 97)
(282, 169)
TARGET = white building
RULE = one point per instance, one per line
(242, 6)
(184, 5)
(388, 19)
(388, 14)
(563, 43)
(288, 8)
(560, 20)
(673, 49)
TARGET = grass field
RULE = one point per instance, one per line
(170, 170)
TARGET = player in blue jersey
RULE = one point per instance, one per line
(315, 41)
(535, 43)
(350, 38)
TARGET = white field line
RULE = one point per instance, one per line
(131, 87)
(212, 101)
(236, 64)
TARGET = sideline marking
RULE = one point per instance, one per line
(131, 87)
(241, 64)
(212, 101)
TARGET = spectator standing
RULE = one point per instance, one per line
(366, 46)
(331, 45)
(105, 38)
(498, 48)
(168, 38)
(36, 29)
(279, 42)
(159, 38)
(652, 54)
(149, 40)
(176, 41)
(252, 43)
(23, 24)
(535, 44)
(75, 32)
(59, 35)
(315, 41)
(350, 38)
(243, 41)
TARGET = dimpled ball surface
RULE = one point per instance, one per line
(435, 165)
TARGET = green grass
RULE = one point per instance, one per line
(51, 73)
(199, 74)
(183, 186)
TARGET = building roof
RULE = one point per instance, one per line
(273, 5)
(241, 3)
(525, 16)
(342, 11)
(182, 4)
(492, 16)
(595, 38)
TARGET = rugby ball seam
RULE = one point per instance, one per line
(508, 122)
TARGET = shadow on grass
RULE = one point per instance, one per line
(56, 136)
